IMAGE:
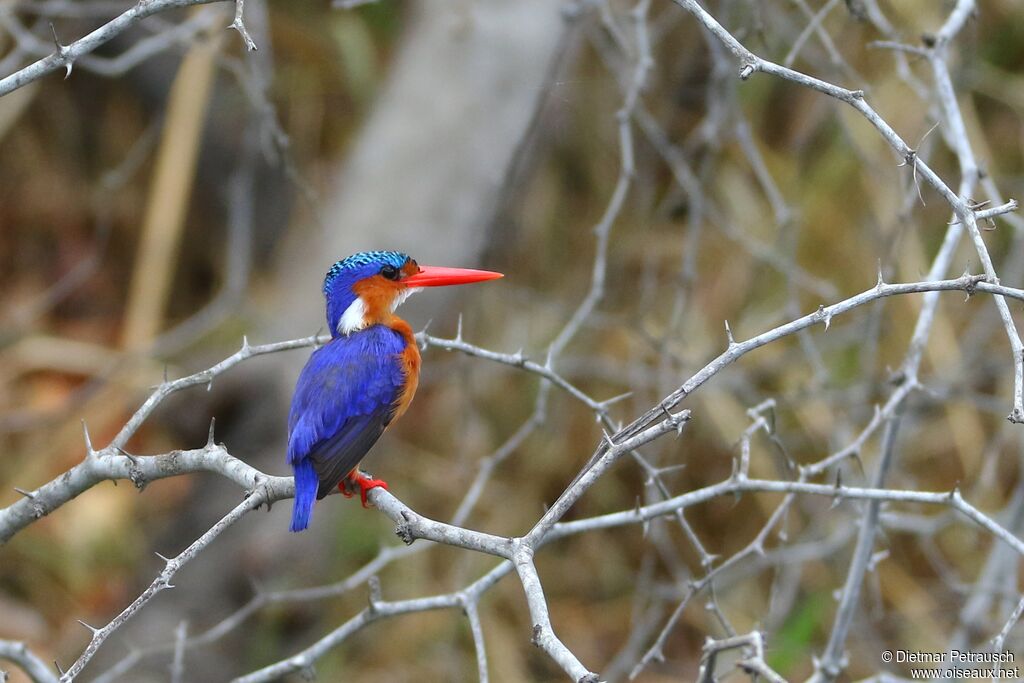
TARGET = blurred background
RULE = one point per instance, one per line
(177, 192)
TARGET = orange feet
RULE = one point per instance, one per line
(364, 482)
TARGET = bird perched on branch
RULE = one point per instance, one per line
(364, 378)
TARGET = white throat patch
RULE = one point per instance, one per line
(354, 317)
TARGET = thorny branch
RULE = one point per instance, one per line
(959, 202)
(516, 555)
(66, 56)
(111, 463)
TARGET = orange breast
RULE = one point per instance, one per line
(410, 360)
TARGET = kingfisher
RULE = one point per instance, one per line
(364, 378)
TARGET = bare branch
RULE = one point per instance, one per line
(239, 25)
(65, 57)
(30, 663)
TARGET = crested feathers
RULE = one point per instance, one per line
(360, 261)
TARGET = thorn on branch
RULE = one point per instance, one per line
(62, 52)
(680, 421)
(92, 629)
(824, 316)
(131, 458)
(875, 559)
(855, 457)
(209, 438)
(615, 399)
(27, 494)
(89, 452)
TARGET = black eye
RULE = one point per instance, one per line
(390, 272)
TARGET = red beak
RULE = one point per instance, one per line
(437, 276)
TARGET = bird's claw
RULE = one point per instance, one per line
(364, 482)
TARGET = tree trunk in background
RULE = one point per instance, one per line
(426, 171)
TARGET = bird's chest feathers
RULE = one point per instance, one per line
(347, 377)
(410, 362)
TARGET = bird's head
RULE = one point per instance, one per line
(366, 288)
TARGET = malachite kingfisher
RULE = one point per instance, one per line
(364, 378)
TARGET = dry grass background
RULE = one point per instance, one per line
(850, 208)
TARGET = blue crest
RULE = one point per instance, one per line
(362, 259)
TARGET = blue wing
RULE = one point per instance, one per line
(344, 399)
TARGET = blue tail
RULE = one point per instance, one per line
(306, 483)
